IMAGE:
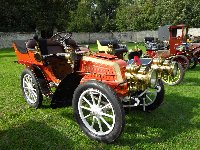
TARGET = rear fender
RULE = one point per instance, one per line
(180, 53)
(42, 81)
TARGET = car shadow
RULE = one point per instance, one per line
(191, 81)
(170, 120)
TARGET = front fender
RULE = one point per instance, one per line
(65, 90)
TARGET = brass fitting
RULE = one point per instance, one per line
(140, 77)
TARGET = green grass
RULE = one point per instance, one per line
(174, 125)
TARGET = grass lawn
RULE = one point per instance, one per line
(174, 125)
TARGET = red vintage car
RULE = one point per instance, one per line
(177, 48)
(98, 85)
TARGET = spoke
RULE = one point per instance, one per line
(99, 123)
(105, 122)
(26, 88)
(92, 96)
(85, 99)
(87, 116)
(26, 91)
(149, 98)
(33, 85)
(106, 106)
(86, 108)
(25, 83)
(30, 80)
(33, 89)
(30, 96)
(99, 100)
(93, 120)
(26, 80)
(33, 96)
(107, 115)
(34, 93)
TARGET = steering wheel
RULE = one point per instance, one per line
(59, 38)
(56, 37)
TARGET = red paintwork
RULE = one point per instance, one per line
(28, 60)
(104, 69)
(104, 72)
(174, 41)
(178, 40)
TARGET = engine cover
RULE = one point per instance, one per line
(105, 68)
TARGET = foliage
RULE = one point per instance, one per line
(80, 19)
(138, 16)
(150, 14)
(177, 12)
(27, 15)
(96, 15)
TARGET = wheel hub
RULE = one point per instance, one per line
(96, 110)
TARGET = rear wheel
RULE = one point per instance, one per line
(98, 111)
(30, 89)
(197, 55)
(174, 79)
(183, 60)
(193, 62)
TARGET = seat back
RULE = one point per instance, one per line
(50, 47)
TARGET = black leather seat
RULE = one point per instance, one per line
(50, 47)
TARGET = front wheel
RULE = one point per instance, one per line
(171, 79)
(153, 98)
(30, 89)
(98, 111)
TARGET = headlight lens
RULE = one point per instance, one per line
(153, 78)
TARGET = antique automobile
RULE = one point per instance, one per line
(99, 86)
(169, 72)
(152, 43)
(174, 46)
(112, 46)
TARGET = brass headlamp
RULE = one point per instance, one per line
(141, 77)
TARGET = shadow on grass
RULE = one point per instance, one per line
(7, 52)
(170, 120)
(1, 56)
(191, 81)
(197, 68)
(34, 135)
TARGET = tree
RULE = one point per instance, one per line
(137, 16)
(98, 15)
(26, 15)
(80, 19)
